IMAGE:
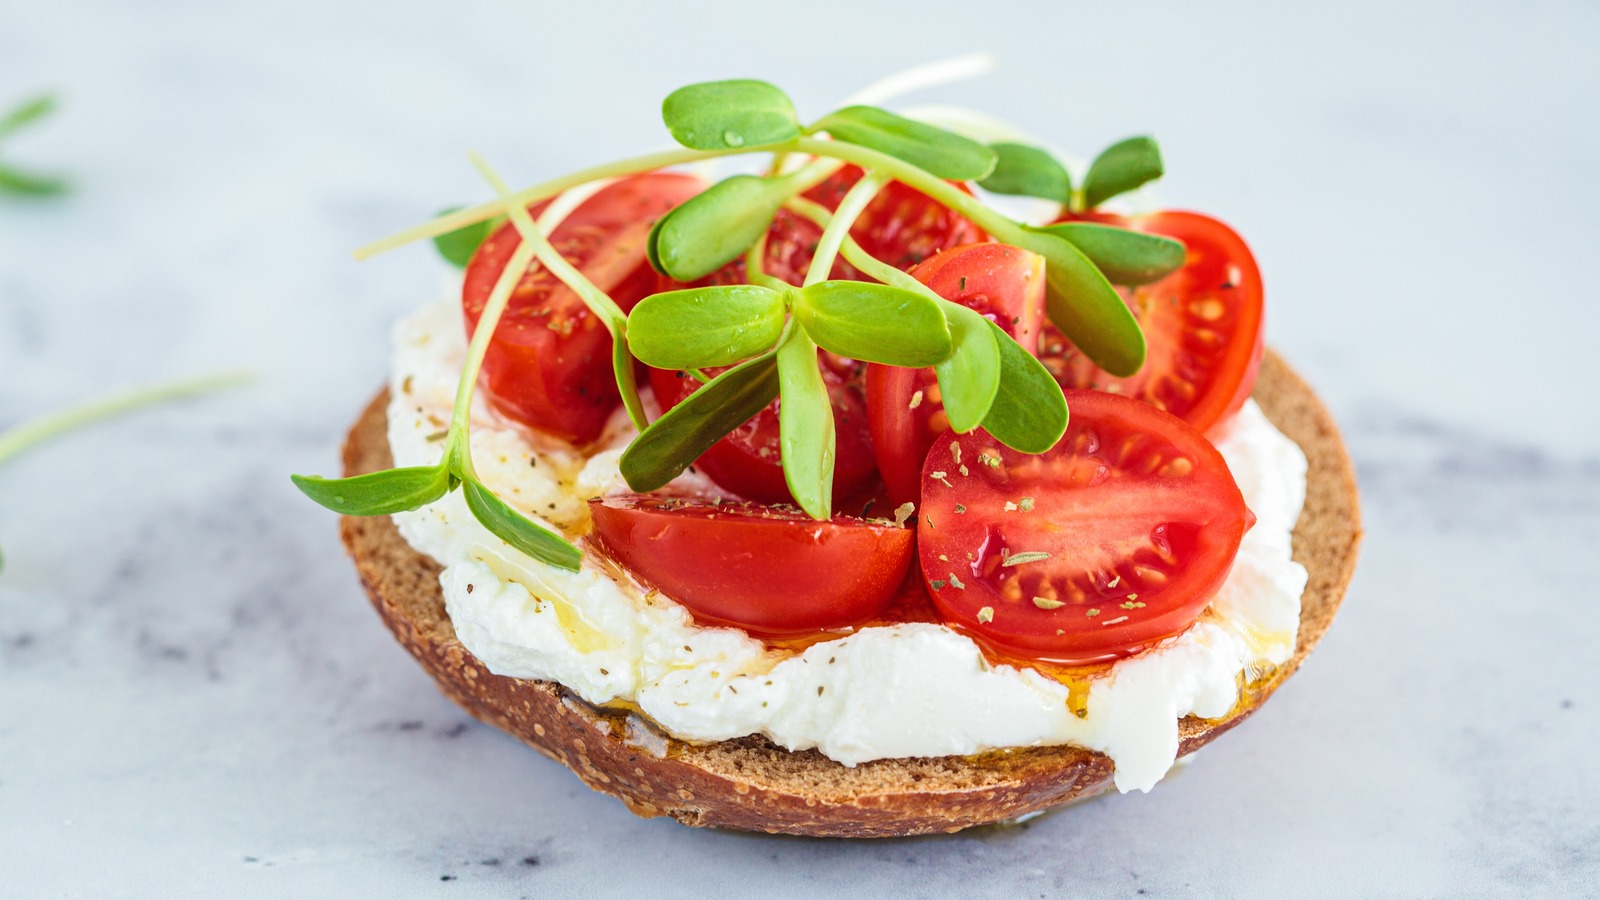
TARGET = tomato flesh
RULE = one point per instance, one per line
(549, 363)
(1136, 511)
(770, 571)
(749, 461)
(1000, 282)
(1202, 325)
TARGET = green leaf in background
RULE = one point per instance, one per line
(1029, 412)
(15, 181)
(515, 529)
(702, 327)
(1122, 167)
(673, 442)
(727, 115)
(1124, 256)
(805, 427)
(30, 111)
(712, 229)
(874, 322)
(970, 378)
(377, 493)
(934, 150)
(1024, 171)
(458, 246)
(1084, 305)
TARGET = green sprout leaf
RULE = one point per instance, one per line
(1084, 305)
(702, 327)
(805, 427)
(1029, 414)
(377, 493)
(874, 322)
(1124, 256)
(26, 114)
(1122, 167)
(458, 246)
(16, 181)
(728, 115)
(970, 378)
(673, 442)
(515, 529)
(1024, 171)
(712, 229)
(941, 153)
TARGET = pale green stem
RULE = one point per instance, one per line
(943, 191)
(598, 301)
(499, 299)
(852, 252)
(838, 228)
(754, 266)
(29, 434)
(472, 215)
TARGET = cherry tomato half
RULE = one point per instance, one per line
(771, 571)
(1001, 282)
(1112, 540)
(749, 461)
(549, 364)
(1202, 325)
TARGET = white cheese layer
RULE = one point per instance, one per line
(882, 692)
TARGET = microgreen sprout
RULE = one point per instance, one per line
(764, 336)
(24, 437)
(19, 181)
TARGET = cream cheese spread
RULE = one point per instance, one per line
(913, 689)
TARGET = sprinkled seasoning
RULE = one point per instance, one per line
(916, 400)
(955, 452)
(936, 584)
(1117, 621)
(1091, 612)
(1044, 603)
(989, 458)
(903, 512)
(1115, 581)
(1010, 507)
(956, 582)
(960, 508)
(1017, 559)
(986, 615)
(1025, 504)
(941, 476)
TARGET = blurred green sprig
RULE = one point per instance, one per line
(22, 182)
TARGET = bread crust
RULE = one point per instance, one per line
(750, 783)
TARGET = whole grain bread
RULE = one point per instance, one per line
(753, 785)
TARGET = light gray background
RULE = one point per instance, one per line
(195, 699)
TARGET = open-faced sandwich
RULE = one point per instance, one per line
(829, 499)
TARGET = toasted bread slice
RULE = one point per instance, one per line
(753, 785)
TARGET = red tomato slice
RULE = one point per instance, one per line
(1202, 324)
(771, 571)
(549, 364)
(749, 461)
(1136, 510)
(1004, 284)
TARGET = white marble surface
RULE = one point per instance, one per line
(196, 701)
